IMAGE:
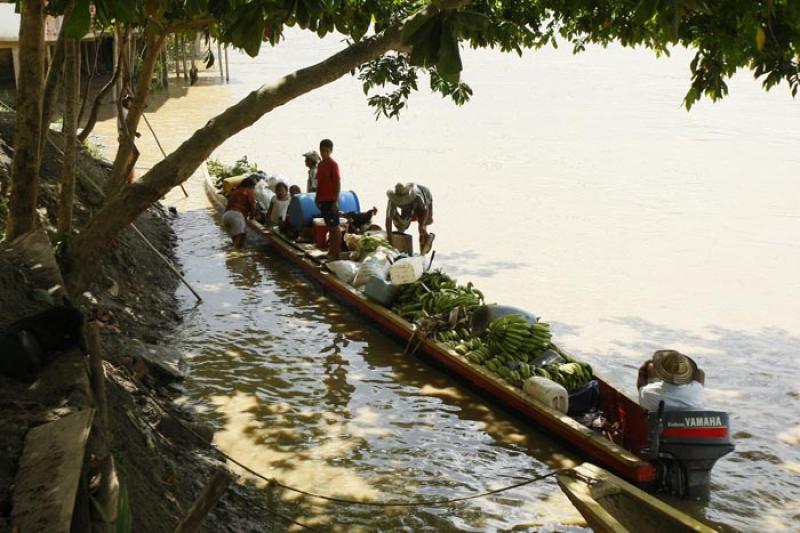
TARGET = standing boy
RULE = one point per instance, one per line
(327, 198)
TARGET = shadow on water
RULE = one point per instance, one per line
(759, 481)
(466, 263)
(301, 389)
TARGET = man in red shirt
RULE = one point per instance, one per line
(327, 198)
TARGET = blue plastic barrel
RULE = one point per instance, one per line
(303, 209)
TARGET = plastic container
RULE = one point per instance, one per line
(547, 392)
(228, 184)
(381, 291)
(585, 399)
(548, 357)
(407, 270)
(303, 208)
(402, 242)
(320, 232)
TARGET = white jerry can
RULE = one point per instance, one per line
(548, 392)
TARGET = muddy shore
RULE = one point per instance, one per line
(162, 466)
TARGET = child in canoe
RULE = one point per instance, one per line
(278, 205)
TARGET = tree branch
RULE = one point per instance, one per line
(121, 209)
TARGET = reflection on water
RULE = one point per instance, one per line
(301, 390)
(574, 187)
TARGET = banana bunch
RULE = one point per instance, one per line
(457, 334)
(466, 346)
(444, 301)
(508, 334)
(571, 376)
(540, 338)
(434, 293)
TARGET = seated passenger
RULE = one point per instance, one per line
(672, 377)
(241, 205)
(278, 205)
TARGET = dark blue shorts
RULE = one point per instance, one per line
(329, 214)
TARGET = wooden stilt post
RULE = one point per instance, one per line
(227, 65)
(207, 500)
(219, 60)
(183, 59)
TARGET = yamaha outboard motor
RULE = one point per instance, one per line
(684, 445)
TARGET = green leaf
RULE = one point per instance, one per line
(120, 10)
(414, 26)
(645, 10)
(360, 26)
(449, 64)
(76, 25)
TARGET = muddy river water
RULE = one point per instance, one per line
(573, 186)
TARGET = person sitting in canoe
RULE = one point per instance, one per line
(407, 203)
(278, 205)
(672, 377)
(241, 205)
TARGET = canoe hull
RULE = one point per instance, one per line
(610, 504)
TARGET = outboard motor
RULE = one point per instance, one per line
(684, 445)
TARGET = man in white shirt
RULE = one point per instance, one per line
(672, 377)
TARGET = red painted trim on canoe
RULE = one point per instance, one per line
(701, 432)
(639, 471)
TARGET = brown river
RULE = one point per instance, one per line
(573, 186)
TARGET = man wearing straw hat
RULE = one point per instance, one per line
(312, 159)
(409, 202)
(672, 377)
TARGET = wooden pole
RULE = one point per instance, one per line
(227, 65)
(167, 262)
(163, 153)
(183, 59)
(177, 57)
(219, 59)
(98, 373)
(207, 500)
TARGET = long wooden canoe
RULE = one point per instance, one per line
(612, 505)
(619, 456)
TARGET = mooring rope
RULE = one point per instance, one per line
(344, 501)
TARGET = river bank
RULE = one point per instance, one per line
(161, 466)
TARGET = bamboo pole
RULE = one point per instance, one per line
(163, 153)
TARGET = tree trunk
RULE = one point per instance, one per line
(125, 158)
(123, 208)
(25, 169)
(91, 73)
(71, 95)
(53, 82)
(98, 100)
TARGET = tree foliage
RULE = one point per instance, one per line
(393, 44)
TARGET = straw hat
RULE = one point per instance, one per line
(674, 367)
(403, 194)
(313, 155)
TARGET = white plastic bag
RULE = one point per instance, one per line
(374, 266)
(263, 194)
(344, 270)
